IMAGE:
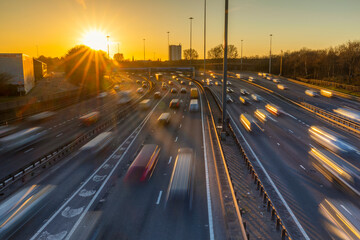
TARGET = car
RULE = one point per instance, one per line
(157, 95)
(248, 122)
(217, 83)
(190, 83)
(144, 86)
(228, 83)
(183, 90)
(171, 83)
(194, 105)
(229, 90)
(174, 103)
(282, 87)
(244, 100)
(140, 90)
(209, 83)
(102, 95)
(229, 99)
(256, 97)
(273, 109)
(311, 93)
(164, 118)
(261, 114)
(275, 80)
(244, 91)
(138, 82)
(182, 82)
(174, 90)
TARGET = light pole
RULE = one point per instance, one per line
(225, 65)
(107, 37)
(281, 59)
(168, 33)
(204, 40)
(241, 61)
(270, 54)
(144, 48)
(191, 18)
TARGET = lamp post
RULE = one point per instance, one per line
(225, 65)
(204, 40)
(144, 48)
(270, 54)
(241, 60)
(168, 33)
(281, 60)
(107, 37)
(191, 18)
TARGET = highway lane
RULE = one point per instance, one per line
(297, 92)
(62, 128)
(284, 154)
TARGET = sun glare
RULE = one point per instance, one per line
(95, 40)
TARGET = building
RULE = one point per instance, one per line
(40, 70)
(18, 69)
(174, 52)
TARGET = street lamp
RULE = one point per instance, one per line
(107, 37)
(225, 65)
(144, 48)
(270, 54)
(241, 61)
(191, 18)
(168, 33)
(204, 40)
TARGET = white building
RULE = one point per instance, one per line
(19, 68)
(174, 52)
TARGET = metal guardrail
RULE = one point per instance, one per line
(64, 150)
(259, 186)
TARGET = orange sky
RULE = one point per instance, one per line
(57, 25)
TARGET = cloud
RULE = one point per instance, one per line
(82, 3)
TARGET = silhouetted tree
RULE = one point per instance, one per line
(194, 54)
(218, 52)
(119, 57)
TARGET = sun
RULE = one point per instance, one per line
(95, 39)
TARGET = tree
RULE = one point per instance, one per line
(119, 57)
(194, 54)
(85, 68)
(218, 51)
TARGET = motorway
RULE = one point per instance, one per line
(280, 147)
(84, 196)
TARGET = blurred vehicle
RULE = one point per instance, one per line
(194, 93)
(102, 95)
(326, 93)
(217, 83)
(244, 100)
(164, 118)
(273, 109)
(7, 130)
(116, 87)
(238, 75)
(244, 92)
(174, 90)
(140, 90)
(210, 84)
(124, 97)
(194, 105)
(247, 121)
(144, 164)
(282, 87)
(269, 78)
(181, 185)
(90, 118)
(163, 86)
(336, 170)
(43, 116)
(157, 95)
(138, 82)
(251, 79)
(145, 104)
(349, 113)
(159, 76)
(229, 99)
(21, 139)
(97, 144)
(171, 83)
(342, 218)
(311, 93)
(275, 80)
(21, 206)
(182, 82)
(173, 76)
(261, 114)
(190, 83)
(229, 83)
(144, 85)
(330, 140)
(229, 90)
(256, 97)
(174, 103)
(183, 90)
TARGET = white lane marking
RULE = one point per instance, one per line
(29, 150)
(291, 116)
(302, 167)
(176, 139)
(271, 181)
(291, 131)
(57, 236)
(180, 126)
(183, 116)
(170, 160)
(159, 198)
(86, 193)
(208, 196)
(98, 178)
(69, 213)
(278, 144)
(59, 135)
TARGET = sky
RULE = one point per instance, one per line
(52, 27)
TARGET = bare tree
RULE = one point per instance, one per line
(194, 54)
(218, 52)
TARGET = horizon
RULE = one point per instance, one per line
(60, 25)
